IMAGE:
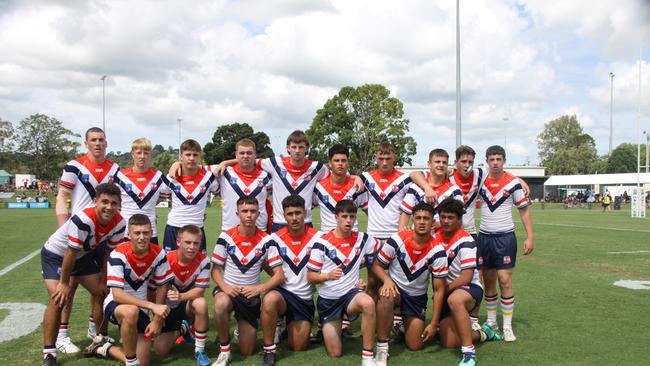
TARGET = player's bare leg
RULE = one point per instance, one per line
(298, 332)
(93, 285)
(384, 322)
(365, 305)
(273, 305)
(222, 308)
(413, 333)
(51, 318)
(332, 338)
(247, 336)
(490, 283)
(507, 302)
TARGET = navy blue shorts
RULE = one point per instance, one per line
(175, 318)
(99, 253)
(475, 291)
(51, 265)
(169, 240)
(475, 237)
(333, 309)
(297, 308)
(109, 313)
(277, 227)
(244, 308)
(412, 305)
(497, 251)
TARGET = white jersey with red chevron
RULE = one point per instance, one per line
(135, 274)
(498, 196)
(415, 194)
(409, 264)
(461, 255)
(288, 179)
(83, 233)
(385, 195)
(82, 176)
(293, 253)
(470, 187)
(190, 196)
(234, 184)
(186, 277)
(328, 194)
(241, 257)
(140, 193)
(349, 254)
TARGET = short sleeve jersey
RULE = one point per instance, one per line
(328, 194)
(498, 196)
(234, 184)
(349, 254)
(409, 264)
(82, 176)
(415, 194)
(190, 197)
(83, 233)
(293, 253)
(241, 257)
(189, 276)
(470, 187)
(461, 255)
(385, 195)
(288, 179)
(140, 193)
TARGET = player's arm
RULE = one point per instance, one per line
(158, 307)
(315, 277)
(217, 277)
(62, 291)
(403, 224)
(430, 196)
(359, 186)
(388, 289)
(61, 207)
(191, 294)
(438, 284)
(464, 279)
(527, 220)
(153, 329)
(276, 280)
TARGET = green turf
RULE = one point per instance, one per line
(568, 312)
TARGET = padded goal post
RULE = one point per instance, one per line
(638, 202)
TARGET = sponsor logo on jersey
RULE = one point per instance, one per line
(233, 180)
(128, 187)
(402, 256)
(84, 178)
(326, 198)
(371, 185)
(283, 251)
(283, 173)
(183, 273)
(231, 250)
(506, 259)
(140, 179)
(332, 253)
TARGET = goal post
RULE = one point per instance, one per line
(638, 203)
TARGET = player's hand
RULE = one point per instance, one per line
(358, 183)
(161, 310)
(403, 228)
(360, 284)
(525, 187)
(173, 294)
(175, 169)
(334, 274)
(232, 291)
(219, 169)
(153, 329)
(529, 246)
(61, 294)
(388, 289)
(429, 332)
(430, 196)
(251, 291)
(436, 225)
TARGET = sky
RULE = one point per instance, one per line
(273, 64)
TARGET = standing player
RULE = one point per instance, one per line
(78, 182)
(464, 291)
(238, 258)
(410, 256)
(69, 252)
(191, 271)
(190, 193)
(290, 247)
(334, 263)
(497, 243)
(141, 185)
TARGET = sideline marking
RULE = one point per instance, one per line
(20, 320)
(633, 284)
(592, 227)
(29, 256)
(632, 252)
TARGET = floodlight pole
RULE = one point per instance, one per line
(459, 140)
(647, 151)
(611, 111)
(179, 135)
(505, 133)
(103, 79)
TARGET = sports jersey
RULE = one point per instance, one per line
(385, 195)
(327, 195)
(135, 274)
(461, 255)
(293, 253)
(187, 277)
(190, 196)
(83, 233)
(349, 254)
(409, 264)
(470, 187)
(140, 192)
(234, 184)
(498, 196)
(415, 194)
(288, 179)
(241, 257)
(82, 176)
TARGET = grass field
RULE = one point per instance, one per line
(568, 311)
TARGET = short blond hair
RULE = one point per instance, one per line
(141, 144)
(245, 142)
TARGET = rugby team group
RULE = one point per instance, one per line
(420, 230)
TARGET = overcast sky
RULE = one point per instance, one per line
(274, 63)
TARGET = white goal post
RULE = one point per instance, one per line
(638, 202)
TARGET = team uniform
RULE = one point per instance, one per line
(241, 258)
(470, 187)
(140, 193)
(82, 176)
(287, 180)
(293, 253)
(415, 194)
(84, 235)
(135, 275)
(349, 254)
(185, 277)
(189, 199)
(385, 195)
(234, 184)
(497, 243)
(327, 195)
(409, 266)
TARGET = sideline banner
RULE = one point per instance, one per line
(28, 205)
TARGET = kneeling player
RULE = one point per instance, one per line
(409, 256)
(334, 263)
(238, 258)
(464, 290)
(133, 267)
(191, 270)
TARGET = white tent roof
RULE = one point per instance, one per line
(577, 180)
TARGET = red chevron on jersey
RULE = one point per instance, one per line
(194, 274)
(234, 184)
(461, 255)
(82, 176)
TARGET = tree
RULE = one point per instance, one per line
(6, 136)
(225, 138)
(162, 161)
(599, 166)
(564, 148)
(624, 159)
(48, 144)
(122, 159)
(361, 118)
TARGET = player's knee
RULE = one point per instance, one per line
(335, 353)
(367, 306)
(455, 302)
(270, 301)
(413, 345)
(200, 306)
(161, 350)
(221, 303)
(130, 314)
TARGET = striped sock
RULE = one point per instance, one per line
(225, 347)
(382, 344)
(269, 348)
(507, 307)
(132, 361)
(49, 349)
(199, 340)
(397, 318)
(367, 354)
(63, 330)
(92, 328)
(468, 349)
(491, 307)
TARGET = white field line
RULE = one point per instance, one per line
(591, 227)
(631, 252)
(29, 256)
